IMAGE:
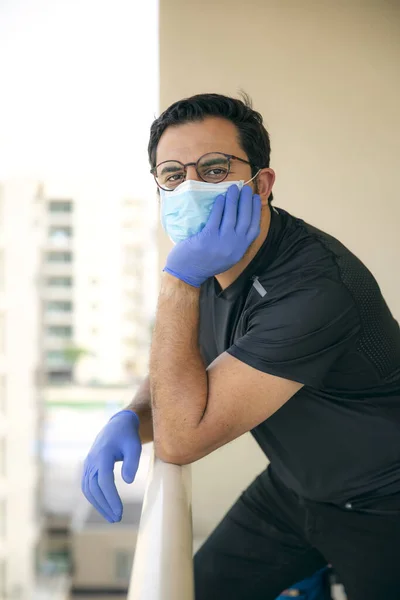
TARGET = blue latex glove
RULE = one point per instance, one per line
(118, 440)
(234, 223)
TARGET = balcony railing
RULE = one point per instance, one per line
(58, 269)
(163, 563)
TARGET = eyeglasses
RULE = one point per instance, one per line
(212, 167)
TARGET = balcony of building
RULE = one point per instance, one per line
(57, 269)
(58, 318)
(52, 290)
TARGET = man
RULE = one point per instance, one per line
(264, 324)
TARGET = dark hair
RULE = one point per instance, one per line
(253, 137)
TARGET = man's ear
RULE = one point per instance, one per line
(265, 182)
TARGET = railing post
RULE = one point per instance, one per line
(163, 562)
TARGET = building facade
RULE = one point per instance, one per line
(98, 287)
(57, 289)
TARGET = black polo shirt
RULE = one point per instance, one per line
(308, 310)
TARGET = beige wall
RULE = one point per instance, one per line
(326, 77)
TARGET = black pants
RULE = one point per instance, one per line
(271, 538)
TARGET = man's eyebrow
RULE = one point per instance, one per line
(171, 168)
(212, 161)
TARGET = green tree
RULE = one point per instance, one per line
(73, 354)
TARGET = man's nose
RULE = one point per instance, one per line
(192, 174)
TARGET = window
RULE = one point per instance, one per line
(123, 565)
(60, 206)
(59, 376)
(59, 306)
(60, 331)
(59, 281)
(55, 355)
(59, 257)
(65, 230)
(60, 235)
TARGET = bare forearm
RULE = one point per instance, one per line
(178, 375)
(141, 405)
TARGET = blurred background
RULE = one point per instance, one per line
(81, 247)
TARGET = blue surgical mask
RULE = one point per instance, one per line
(185, 210)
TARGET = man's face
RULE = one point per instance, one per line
(188, 142)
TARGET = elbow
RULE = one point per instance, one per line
(175, 454)
(176, 459)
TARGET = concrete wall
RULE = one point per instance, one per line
(325, 76)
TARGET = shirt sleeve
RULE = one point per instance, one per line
(300, 335)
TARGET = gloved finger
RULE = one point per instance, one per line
(230, 215)
(99, 508)
(89, 496)
(214, 220)
(131, 462)
(254, 229)
(98, 495)
(106, 481)
(85, 477)
(245, 210)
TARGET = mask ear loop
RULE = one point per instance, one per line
(246, 182)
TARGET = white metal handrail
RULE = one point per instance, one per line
(163, 562)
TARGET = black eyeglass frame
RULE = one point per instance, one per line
(195, 164)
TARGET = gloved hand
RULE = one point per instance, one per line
(234, 223)
(118, 440)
